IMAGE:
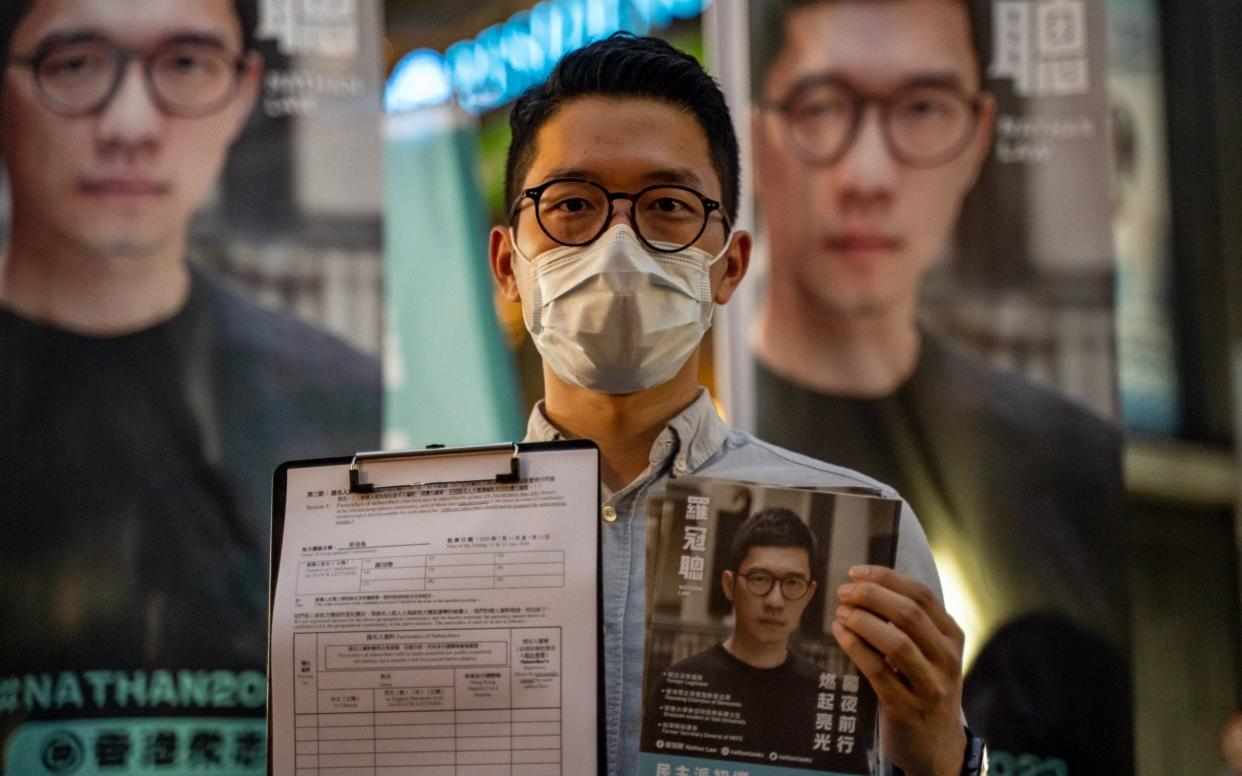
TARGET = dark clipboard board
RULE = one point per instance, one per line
(511, 472)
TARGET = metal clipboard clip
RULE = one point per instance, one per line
(389, 470)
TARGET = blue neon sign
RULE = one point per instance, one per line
(506, 59)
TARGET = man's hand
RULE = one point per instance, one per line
(910, 649)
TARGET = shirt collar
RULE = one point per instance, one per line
(698, 431)
(539, 428)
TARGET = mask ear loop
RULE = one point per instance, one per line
(711, 303)
(516, 248)
(535, 302)
(728, 244)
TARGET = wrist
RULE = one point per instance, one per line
(955, 755)
(973, 760)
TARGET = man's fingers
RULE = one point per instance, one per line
(888, 685)
(914, 590)
(902, 612)
(895, 648)
(902, 623)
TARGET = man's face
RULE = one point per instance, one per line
(624, 144)
(124, 180)
(858, 235)
(770, 618)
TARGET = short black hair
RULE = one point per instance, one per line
(13, 11)
(768, 27)
(625, 65)
(772, 527)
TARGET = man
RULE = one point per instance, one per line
(622, 179)
(143, 406)
(754, 674)
(871, 129)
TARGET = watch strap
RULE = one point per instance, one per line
(975, 761)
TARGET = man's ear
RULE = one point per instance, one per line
(726, 581)
(732, 267)
(501, 256)
(247, 91)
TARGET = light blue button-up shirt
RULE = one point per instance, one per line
(695, 442)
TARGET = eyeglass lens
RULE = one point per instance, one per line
(575, 213)
(761, 583)
(186, 77)
(923, 124)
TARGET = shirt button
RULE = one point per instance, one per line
(610, 514)
(680, 466)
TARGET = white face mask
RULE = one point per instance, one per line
(614, 316)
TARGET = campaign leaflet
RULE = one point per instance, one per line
(742, 674)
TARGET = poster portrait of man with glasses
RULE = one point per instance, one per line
(872, 124)
(769, 579)
(144, 402)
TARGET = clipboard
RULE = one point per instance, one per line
(403, 631)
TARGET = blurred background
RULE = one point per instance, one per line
(376, 229)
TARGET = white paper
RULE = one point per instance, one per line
(441, 630)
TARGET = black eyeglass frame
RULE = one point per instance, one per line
(125, 56)
(534, 193)
(785, 108)
(776, 582)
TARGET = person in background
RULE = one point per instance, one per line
(622, 185)
(870, 129)
(143, 404)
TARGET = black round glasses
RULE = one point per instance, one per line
(760, 583)
(666, 217)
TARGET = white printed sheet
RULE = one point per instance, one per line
(438, 630)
